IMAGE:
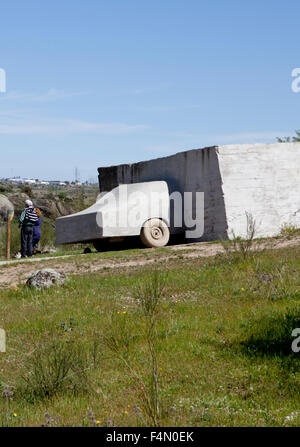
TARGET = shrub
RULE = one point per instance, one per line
(55, 367)
(119, 336)
(237, 247)
(27, 190)
(50, 196)
(6, 188)
(288, 231)
(62, 195)
(294, 139)
(148, 293)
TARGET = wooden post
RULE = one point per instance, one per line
(10, 215)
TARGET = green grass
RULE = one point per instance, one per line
(222, 345)
(289, 231)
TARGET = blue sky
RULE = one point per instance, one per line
(93, 83)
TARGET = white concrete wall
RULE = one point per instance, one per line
(263, 179)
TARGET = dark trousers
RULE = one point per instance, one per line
(35, 243)
(26, 241)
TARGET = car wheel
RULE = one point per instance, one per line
(155, 233)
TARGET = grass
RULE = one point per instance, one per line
(289, 231)
(270, 333)
(221, 346)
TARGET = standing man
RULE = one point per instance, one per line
(26, 222)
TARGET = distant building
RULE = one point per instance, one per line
(29, 181)
(16, 180)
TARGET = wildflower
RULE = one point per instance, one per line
(15, 415)
(242, 289)
(8, 392)
(124, 312)
(128, 406)
(291, 417)
(98, 422)
(126, 412)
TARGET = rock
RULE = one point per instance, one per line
(18, 200)
(61, 209)
(47, 206)
(87, 250)
(48, 250)
(52, 208)
(5, 205)
(45, 278)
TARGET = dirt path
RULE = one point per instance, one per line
(14, 272)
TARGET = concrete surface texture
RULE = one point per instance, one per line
(261, 179)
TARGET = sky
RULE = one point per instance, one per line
(96, 83)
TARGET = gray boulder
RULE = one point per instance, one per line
(5, 205)
(47, 206)
(45, 278)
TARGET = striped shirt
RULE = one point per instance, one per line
(28, 217)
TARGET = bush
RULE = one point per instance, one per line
(119, 336)
(50, 196)
(6, 188)
(62, 195)
(55, 367)
(27, 190)
(237, 248)
(289, 231)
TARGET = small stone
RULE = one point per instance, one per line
(45, 278)
(48, 250)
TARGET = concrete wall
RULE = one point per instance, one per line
(263, 179)
(260, 179)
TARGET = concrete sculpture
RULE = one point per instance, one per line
(260, 179)
(127, 210)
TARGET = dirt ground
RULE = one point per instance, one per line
(13, 273)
